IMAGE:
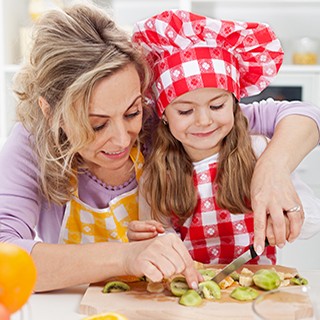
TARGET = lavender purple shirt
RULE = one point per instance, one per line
(25, 213)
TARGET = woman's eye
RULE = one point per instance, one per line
(98, 128)
(134, 114)
(216, 107)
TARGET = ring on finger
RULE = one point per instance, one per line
(296, 208)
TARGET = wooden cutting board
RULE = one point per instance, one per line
(138, 304)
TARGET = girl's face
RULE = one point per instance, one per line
(200, 120)
(115, 113)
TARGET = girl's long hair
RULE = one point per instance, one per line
(168, 183)
(71, 51)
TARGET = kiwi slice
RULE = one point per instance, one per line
(244, 293)
(210, 290)
(115, 286)
(207, 274)
(178, 286)
(190, 298)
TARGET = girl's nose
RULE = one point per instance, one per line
(203, 117)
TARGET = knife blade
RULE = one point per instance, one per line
(237, 263)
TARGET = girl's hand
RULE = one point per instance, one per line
(161, 257)
(144, 230)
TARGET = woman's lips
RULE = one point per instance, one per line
(116, 154)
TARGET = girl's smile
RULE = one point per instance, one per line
(200, 120)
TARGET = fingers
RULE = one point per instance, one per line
(143, 230)
(296, 219)
(270, 233)
(163, 257)
(270, 230)
(259, 229)
(272, 193)
(275, 204)
(191, 274)
(279, 226)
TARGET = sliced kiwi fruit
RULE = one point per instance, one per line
(178, 286)
(190, 298)
(115, 286)
(210, 290)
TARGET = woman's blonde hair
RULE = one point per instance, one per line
(169, 186)
(72, 49)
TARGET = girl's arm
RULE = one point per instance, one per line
(145, 227)
(296, 132)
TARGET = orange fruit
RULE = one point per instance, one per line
(4, 313)
(17, 276)
(107, 316)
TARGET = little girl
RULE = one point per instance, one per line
(197, 178)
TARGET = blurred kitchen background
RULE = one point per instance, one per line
(296, 22)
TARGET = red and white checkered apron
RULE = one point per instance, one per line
(214, 235)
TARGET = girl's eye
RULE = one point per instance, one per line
(216, 107)
(186, 112)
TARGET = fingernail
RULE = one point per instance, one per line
(281, 245)
(194, 285)
(259, 250)
(291, 240)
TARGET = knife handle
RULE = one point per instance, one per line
(252, 251)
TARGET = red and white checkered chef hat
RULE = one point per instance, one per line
(188, 52)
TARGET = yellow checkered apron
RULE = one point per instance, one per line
(84, 224)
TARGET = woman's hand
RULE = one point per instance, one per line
(160, 258)
(270, 233)
(144, 230)
(272, 195)
(272, 191)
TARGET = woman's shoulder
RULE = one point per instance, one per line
(17, 151)
(19, 135)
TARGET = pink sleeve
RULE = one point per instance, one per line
(263, 116)
(19, 194)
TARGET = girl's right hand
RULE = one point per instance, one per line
(159, 258)
(144, 230)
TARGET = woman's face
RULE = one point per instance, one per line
(115, 114)
(200, 119)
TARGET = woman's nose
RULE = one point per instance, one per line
(120, 135)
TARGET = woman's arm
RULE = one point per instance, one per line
(272, 190)
(265, 115)
(296, 133)
(65, 265)
(20, 200)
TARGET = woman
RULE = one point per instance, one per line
(70, 167)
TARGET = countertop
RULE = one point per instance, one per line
(64, 304)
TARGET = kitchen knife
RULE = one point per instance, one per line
(237, 263)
